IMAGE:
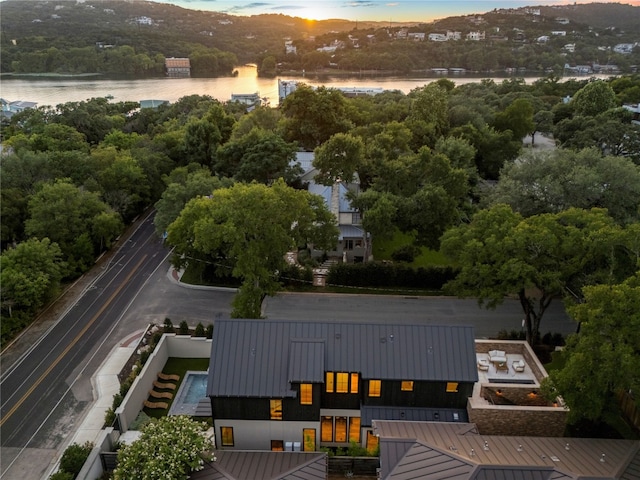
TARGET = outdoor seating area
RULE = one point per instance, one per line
(166, 383)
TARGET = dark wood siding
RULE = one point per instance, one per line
(424, 394)
(240, 408)
(294, 411)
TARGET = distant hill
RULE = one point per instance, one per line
(599, 15)
(55, 36)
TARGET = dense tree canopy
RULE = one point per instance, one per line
(555, 180)
(603, 359)
(537, 258)
(254, 226)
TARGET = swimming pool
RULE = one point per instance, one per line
(192, 391)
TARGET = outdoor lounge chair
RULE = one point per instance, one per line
(164, 386)
(483, 364)
(167, 376)
(518, 365)
(161, 405)
(155, 394)
(497, 356)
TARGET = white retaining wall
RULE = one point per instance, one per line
(170, 345)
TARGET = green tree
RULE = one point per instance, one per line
(552, 181)
(594, 98)
(311, 116)
(259, 155)
(338, 159)
(517, 117)
(537, 258)
(65, 213)
(430, 105)
(169, 448)
(268, 66)
(31, 273)
(254, 226)
(184, 184)
(603, 359)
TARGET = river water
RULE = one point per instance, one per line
(56, 90)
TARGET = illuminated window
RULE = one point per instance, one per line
(407, 386)
(341, 429)
(276, 409)
(374, 388)
(354, 429)
(277, 446)
(227, 436)
(372, 442)
(452, 387)
(329, 382)
(342, 382)
(309, 437)
(326, 429)
(354, 383)
(306, 394)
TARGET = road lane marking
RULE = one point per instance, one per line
(72, 344)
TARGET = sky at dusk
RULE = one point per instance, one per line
(372, 10)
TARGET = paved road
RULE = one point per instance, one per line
(47, 390)
(428, 310)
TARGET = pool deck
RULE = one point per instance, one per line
(179, 407)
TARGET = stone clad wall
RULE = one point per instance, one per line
(518, 421)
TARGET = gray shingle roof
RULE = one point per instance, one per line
(258, 358)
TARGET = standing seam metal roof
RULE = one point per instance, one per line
(258, 358)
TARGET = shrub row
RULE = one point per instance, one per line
(380, 274)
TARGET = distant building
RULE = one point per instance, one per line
(177, 67)
(289, 47)
(417, 36)
(475, 36)
(437, 37)
(624, 48)
(559, 33)
(570, 47)
(285, 88)
(453, 35)
(250, 99)
(153, 103)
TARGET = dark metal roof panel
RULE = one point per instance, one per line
(412, 414)
(306, 361)
(252, 357)
(254, 465)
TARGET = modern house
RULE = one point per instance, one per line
(289, 385)
(438, 450)
(351, 245)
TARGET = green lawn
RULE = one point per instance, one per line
(177, 366)
(383, 249)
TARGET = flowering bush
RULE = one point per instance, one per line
(168, 449)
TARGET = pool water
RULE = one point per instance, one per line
(192, 390)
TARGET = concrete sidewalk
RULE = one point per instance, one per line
(105, 385)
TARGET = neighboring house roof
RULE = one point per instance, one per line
(498, 457)
(152, 103)
(305, 159)
(259, 358)
(350, 231)
(325, 192)
(239, 465)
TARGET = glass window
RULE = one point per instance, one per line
(372, 442)
(326, 429)
(309, 437)
(354, 382)
(374, 388)
(277, 446)
(306, 394)
(354, 429)
(407, 386)
(342, 382)
(329, 382)
(452, 387)
(276, 409)
(341, 429)
(227, 436)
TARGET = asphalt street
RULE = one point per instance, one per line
(46, 390)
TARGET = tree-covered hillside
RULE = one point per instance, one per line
(133, 38)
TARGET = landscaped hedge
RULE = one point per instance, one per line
(390, 275)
